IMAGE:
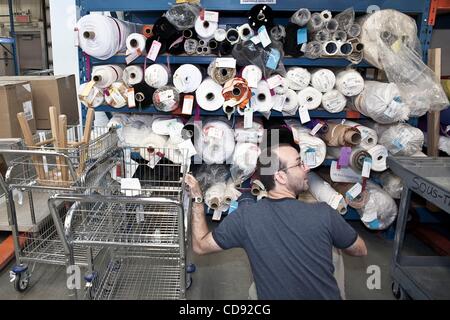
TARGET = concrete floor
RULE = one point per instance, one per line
(227, 275)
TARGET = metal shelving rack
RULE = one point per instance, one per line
(11, 40)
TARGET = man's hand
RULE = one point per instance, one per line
(194, 187)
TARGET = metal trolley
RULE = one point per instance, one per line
(48, 169)
(142, 232)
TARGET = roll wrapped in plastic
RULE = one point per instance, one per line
(249, 135)
(166, 98)
(220, 74)
(209, 95)
(94, 99)
(151, 145)
(215, 195)
(183, 15)
(298, 78)
(290, 102)
(262, 100)
(322, 191)
(187, 78)
(205, 29)
(301, 17)
(104, 76)
(349, 83)
(402, 139)
(392, 184)
(116, 95)
(323, 80)
(157, 75)
(217, 141)
(310, 98)
(244, 161)
(334, 101)
(252, 74)
(369, 137)
(133, 75)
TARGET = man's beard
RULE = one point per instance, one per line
(299, 187)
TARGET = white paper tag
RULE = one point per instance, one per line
(166, 95)
(215, 133)
(188, 104)
(130, 97)
(248, 118)
(92, 95)
(354, 191)
(366, 168)
(132, 56)
(153, 161)
(264, 36)
(316, 129)
(76, 38)
(255, 39)
(187, 145)
(217, 215)
(393, 109)
(310, 157)
(154, 50)
(275, 81)
(130, 186)
(369, 216)
(343, 174)
(226, 63)
(304, 114)
(117, 97)
(211, 16)
(335, 200)
(252, 80)
(28, 110)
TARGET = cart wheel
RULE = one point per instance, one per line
(189, 282)
(190, 268)
(398, 292)
(21, 281)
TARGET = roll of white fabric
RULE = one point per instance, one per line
(166, 98)
(133, 75)
(136, 41)
(220, 74)
(349, 82)
(252, 74)
(134, 133)
(323, 80)
(244, 161)
(298, 78)
(382, 102)
(102, 37)
(215, 195)
(402, 140)
(151, 144)
(116, 95)
(105, 75)
(262, 100)
(290, 102)
(379, 155)
(313, 145)
(205, 29)
(392, 184)
(245, 32)
(334, 101)
(369, 137)
(250, 135)
(322, 191)
(310, 98)
(161, 124)
(209, 95)
(187, 78)
(94, 99)
(218, 141)
(220, 35)
(157, 75)
(380, 210)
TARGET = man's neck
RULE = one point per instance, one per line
(280, 194)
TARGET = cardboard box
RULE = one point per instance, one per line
(56, 91)
(15, 97)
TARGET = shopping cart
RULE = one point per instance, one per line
(142, 232)
(46, 168)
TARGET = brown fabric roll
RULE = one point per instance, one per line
(357, 159)
(341, 135)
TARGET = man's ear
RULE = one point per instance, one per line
(280, 177)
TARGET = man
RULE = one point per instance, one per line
(288, 243)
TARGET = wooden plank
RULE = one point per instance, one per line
(433, 117)
(86, 138)
(55, 133)
(62, 126)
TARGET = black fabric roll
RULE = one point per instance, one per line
(261, 15)
(177, 48)
(225, 48)
(149, 42)
(164, 29)
(146, 91)
(290, 42)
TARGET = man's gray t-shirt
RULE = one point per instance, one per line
(289, 246)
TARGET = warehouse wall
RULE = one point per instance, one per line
(440, 39)
(34, 6)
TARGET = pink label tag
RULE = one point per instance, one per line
(344, 157)
(154, 50)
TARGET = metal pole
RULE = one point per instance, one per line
(12, 34)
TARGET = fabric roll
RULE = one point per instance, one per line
(322, 191)
(379, 156)
(357, 156)
(323, 80)
(245, 157)
(102, 37)
(332, 26)
(278, 32)
(310, 98)
(340, 135)
(209, 95)
(322, 35)
(163, 30)
(444, 144)
(105, 75)
(354, 31)
(217, 142)
(291, 47)
(392, 184)
(193, 130)
(316, 22)
(220, 35)
(326, 15)
(214, 195)
(190, 46)
(339, 35)
(330, 48)
(231, 194)
(301, 17)
(402, 139)
(313, 50)
(220, 74)
(260, 15)
(262, 100)
(346, 18)
(382, 102)
(94, 99)
(143, 94)
(133, 75)
(187, 78)
(380, 210)
(252, 74)
(345, 49)
(134, 132)
(369, 137)
(289, 101)
(183, 15)
(157, 75)
(245, 32)
(249, 135)
(147, 30)
(257, 188)
(333, 101)
(161, 124)
(349, 82)
(116, 95)
(151, 145)
(298, 78)
(205, 29)
(166, 98)
(236, 92)
(232, 36)
(136, 41)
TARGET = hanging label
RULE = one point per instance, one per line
(248, 118)
(130, 186)
(166, 95)
(76, 37)
(310, 157)
(188, 103)
(212, 16)
(133, 56)
(364, 132)
(175, 129)
(28, 110)
(401, 141)
(187, 145)
(335, 200)
(344, 157)
(117, 97)
(217, 215)
(394, 107)
(256, 40)
(304, 114)
(215, 133)
(226, 63)
(316, 129)
(366, 168)
(274, 58)
(92, 95)
(354, 191)
(343, 174)
(87, 88)
(154, 50)
(130, 97)
(302, 35)
(233, 206)
(275, 81)
(369, 216)
(154, 159)
(264, 36)
(280, 104)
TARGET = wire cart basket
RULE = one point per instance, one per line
(142, 230)
(46, 168)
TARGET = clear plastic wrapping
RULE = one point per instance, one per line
(244, 161)
(392, 184)
(207, 175)
(402, 139)
(183, 15)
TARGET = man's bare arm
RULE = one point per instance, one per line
(357, 249)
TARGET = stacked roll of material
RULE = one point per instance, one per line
(187, 78)
(291, 47)
(380, 210)
(209, 95)
(323, 80)
(244, 161)
(136, 42)
(152, 145)
(333, 101)
(133, 132)
(402, 140)
(105, 75)
(220, 74)
(310, 98)
(340, 135)
(262, 100)
(260, 15)
(301, 17)
(143, 94)
(246, 32)
(379, 156)
(298, 78)
(288, 102)
(133, 75)
(349, 82)
(392, 184)
(231, 193)
(183, 15)
(147, 30)
(357, 157)
(217, 142)
(215, 195)
(278, 33)
(166, 98)
(322, 191)
(236, 93)
(382, 102)
(116, 95)
(252, 74)
(205, 29)
(94, 99)
(316, 22)
(313, 50)
(249, 135)
(157, 75)
(193, 130)
(369, 137)
(190, 46)
(102, 37)
(312, 149)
